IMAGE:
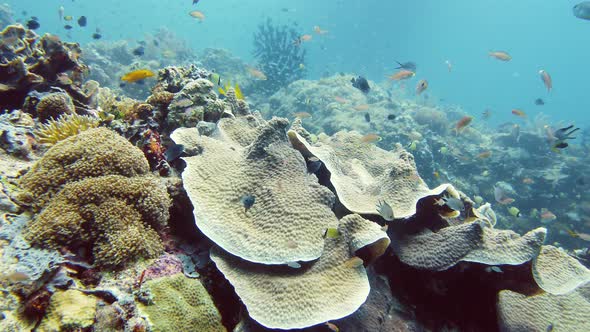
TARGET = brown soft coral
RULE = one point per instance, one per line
(116, 216)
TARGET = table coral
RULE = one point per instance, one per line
(291, 211)
(287, 298)
(92, 153)
(181, 304)
(558, 273)
(114, 215)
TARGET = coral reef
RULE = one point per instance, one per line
(279, 58)
(286, 298)
(180, 304)
(558, 273)
(92, 153)
(49, 105)
(16, 134)
(65, 126)
(69, 310)
(286, 196)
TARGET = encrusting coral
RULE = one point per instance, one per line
(334, 286)
(180, 304)
(291, 210)
(92, 153)
(69, 310)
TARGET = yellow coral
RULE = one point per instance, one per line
(65, 126)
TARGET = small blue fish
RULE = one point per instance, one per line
(582, 10)
(248, 201)
(173, 152)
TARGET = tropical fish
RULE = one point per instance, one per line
(421, 86)
(528, 181)
(313, 165)
(486, 114)
(137, 75)
(547, 216)
(331, 233)
(371, 138)
(68, 18)
(451, 202)
(353, 262)
(248, 201)
(436, 175)
(582, 10)
(60, 12)
(198, 15)
(514, 211)
(33, 24)
(139, 51)
(402, 75)
(303, 38)
(294, 265)
(332, 327)
(539, 102)
(319, 31)
(195, 2)
(519, 113)
(82, 21)
(410, 66)
(462, 123)
(500, 55)
(302, 115)
(257, 74)
(546, 80)
(493, 269)
(340, 100)
(68, 27)
(501, 197)
(173, 152)
(361, 107)
(361, 83)
(484, 154)
(385, 210)
(215, 78)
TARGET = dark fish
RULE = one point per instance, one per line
(407, 66)
(248, 201)
(35, 18)
(195, 2)
(122, 85)
(96, 35)
(139, 51)
(582, 10)
(549, 328)
(33, 24)
(367, 117)
(313, 165)
(82, 21)
(173, 152)
(539, 102)
(560, 145)
(391, 117)
(361, 83)
(156, 43)
(68, 27)
(141, 42)
(565, 133)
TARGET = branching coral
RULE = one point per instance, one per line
(278, 56)
(65, 126)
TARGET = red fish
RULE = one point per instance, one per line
(464, 122)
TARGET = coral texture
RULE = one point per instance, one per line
(558, 273)
(65, 126)
(287, 298)
(114, 215)
(69, 310)
(291, 210)
(92, 153)
(181, 304)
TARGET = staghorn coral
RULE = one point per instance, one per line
(278, 56)
(92, 153)
(180, 304)
(291, 211)
(65, 126)
(117, 217)
(287, 298)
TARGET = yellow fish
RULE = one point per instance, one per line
(137, 75)
(198, 15)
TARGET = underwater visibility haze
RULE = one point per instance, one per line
(224, 165)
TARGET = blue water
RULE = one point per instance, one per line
(365, 37)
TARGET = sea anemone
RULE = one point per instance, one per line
(65, 126)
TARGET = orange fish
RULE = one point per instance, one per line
(464, 122)
(485, 154)
(301, 39)
(302, 115)
(198, 15)
(257, 74)
(340, 100)
(371, 138)
(500, 55)
(361, 107)
(402, 75)
(421, 86)
(547, 215)
(528, 181)
(546, 80)
(319, 31)
(436, 174)
(137, 75)
(518, 112)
